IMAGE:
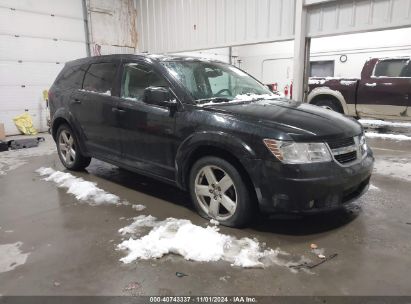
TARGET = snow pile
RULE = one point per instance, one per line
(11, 256)
(383, 123)
(387, 136)
(81, 189)
(195, 243)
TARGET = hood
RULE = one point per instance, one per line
(298, 120)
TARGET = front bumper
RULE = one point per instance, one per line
(289, 188)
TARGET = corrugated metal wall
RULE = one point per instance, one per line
(112, 26)
(36, 38)
(183, 25)
(348, 16)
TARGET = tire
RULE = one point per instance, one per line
(330, 104)
(214, 195)
(67, 149)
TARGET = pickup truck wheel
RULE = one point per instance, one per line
(67, 148)
(218, 192)
(330, 105)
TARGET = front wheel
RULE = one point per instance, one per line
(68, 151)
(219, 192)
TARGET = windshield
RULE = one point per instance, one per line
(218, 82)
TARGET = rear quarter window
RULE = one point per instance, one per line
(71, 77)
(100, 77)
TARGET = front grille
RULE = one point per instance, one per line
(338, 143)
(346, 157)
(344, 150)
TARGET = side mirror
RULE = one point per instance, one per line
(159, 96)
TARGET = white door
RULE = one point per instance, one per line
(36, 38)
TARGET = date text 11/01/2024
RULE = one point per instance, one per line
(204, 299)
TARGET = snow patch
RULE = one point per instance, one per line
(139, 222)
(214, 222)
(81, 189)
(347, 82)
(383, 123)
(11, 256)
(195, 243)
(138, 207)
(250, 97)
(318, 251)
(107, 93)
(397, 168)
(387, 136)
(245, 97)
(316, 81)
(374, 188)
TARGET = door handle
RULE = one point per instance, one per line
(78, 101)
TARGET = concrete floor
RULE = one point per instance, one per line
(71, 245)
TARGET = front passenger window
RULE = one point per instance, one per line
(136, 78)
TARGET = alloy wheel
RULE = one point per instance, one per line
(215, 192)
(67, 148)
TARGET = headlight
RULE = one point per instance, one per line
(363, 144)
(298, 153)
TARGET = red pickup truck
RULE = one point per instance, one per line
(384, 90)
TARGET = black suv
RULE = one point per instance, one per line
(210, 128)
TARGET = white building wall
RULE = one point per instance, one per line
(36, 38)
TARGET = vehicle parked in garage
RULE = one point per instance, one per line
(384, 90)
(210, 128)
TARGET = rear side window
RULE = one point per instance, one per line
(391, 68)
(71, 77)
(407, 71)
(100, 77)
(137, 77)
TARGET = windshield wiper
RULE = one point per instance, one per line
(213, 100)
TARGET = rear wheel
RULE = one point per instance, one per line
(68, 151)
(329, 104)
(219, 192)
